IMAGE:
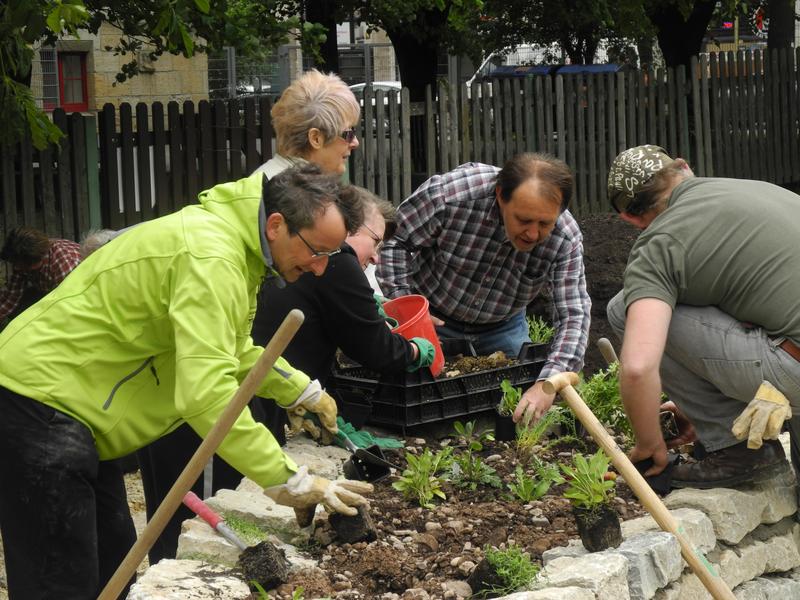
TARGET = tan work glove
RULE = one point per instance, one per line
(314, 399)
(763, 417)
(299, 422)
(303, 490)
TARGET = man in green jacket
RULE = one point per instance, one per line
(149, 332)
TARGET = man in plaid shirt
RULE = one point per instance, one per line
(481, 243)
(38, 265)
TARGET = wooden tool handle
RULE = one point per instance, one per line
(607, 350)
(209, 445)
(704, 570)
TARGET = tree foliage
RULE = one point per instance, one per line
(153, 27)
(576, 26)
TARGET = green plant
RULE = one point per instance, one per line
(601, 394)
(588, 487)
(259, 589)
(249, 532)
(419, 480)
(467, 469)
(513, 567)
(510, 399)
(469, 435)
(540, 331)
(528, 436)
(298, 593)
(528, 488)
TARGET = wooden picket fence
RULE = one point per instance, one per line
(729, 115)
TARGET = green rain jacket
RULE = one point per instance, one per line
(153, 330)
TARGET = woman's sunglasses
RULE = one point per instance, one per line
(349, 135)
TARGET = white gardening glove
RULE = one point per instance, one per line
(304, 490)
(763, 417)
(313, 399)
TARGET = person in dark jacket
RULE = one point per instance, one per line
(340, 307)
(341, 312)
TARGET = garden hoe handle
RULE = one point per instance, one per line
(607, 350)
(209, 445)
(705, 571)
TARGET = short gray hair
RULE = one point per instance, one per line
(94, 239)
(314, 100)
(378, 205)
(301, 194)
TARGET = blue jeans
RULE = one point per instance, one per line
(508, 336)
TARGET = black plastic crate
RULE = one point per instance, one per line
(417, 398)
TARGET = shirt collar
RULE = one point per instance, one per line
(272, 274)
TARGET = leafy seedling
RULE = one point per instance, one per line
(539, 330)
(420, 481)
(510, 398)
(588, 486)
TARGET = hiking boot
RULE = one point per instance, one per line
(735, 465)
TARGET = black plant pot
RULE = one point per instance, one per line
(505, 430)
(484, 577)
(598, 527)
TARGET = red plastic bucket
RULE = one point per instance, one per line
(414, 320)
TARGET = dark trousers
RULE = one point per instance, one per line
(63, 513)
(163, 461)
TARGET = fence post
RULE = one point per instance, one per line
(92, 172)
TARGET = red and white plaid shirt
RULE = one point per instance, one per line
(63, 256)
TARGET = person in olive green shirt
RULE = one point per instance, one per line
(710, 310)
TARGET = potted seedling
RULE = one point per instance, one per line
(590, 491)
(502, 572)
(504, 429)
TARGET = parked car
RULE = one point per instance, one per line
(386, 86)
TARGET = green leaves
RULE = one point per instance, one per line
(419, 482)
(510, 399)
(586, 478)
(601, 394)
(528, 488)
(67, 15)
(513, 566)
(539, 330)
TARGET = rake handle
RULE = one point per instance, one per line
(209, 445)
(705, 571)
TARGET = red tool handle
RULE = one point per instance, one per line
(201, 509)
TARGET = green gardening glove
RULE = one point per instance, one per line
(426, 354)
(379, 300)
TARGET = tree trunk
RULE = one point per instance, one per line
(781, 24)
(324, 13)
(680, 39)
(645, 49)
(417, 53)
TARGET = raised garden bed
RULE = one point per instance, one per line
(429, 548)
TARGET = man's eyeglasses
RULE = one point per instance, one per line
(375, 238)
(349, 135)
(318, 253)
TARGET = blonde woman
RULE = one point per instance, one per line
(314, 121)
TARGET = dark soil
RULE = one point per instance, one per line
(607, 240)
(422, 548)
